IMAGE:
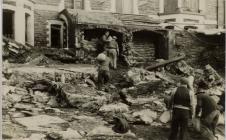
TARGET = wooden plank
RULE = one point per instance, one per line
(161, 64)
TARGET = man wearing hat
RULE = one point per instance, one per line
(182, 104)
(113, 51)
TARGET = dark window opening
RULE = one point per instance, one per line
(8, 23)
(55, 36)
(190, 27)
(27, 28)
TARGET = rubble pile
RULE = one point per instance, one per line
(65, 104)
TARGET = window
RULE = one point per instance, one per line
(125, 6)
(28, 28)
(8, 23)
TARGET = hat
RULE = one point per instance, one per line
(114, 37)
(101, 57)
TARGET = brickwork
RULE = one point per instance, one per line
(193, 48)
(40, 26)
(104, 5)
(148, 7)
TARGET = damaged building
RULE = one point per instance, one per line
(62, 23)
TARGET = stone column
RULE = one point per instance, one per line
(202, 6)
(135, 7)
(20, 22)
(87, 5)
(113, 6)
(161, 6)
(179, 5)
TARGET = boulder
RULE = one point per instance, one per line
(147, 116)
(165, 117)
(41, 97)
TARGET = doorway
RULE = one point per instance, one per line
(56, 36)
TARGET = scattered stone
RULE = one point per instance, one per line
(23, 106)
(147, 116)
(165, 117)
(119, 107)
(70, 134)
(18, 115)
(53, 102)
(106, 131)
(41, 97)
(40, 122)
(52, 110)
(37, 137)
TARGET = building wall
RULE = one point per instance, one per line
(70, 4)
(211, 9)
(148, 7)
(170, 6)
(20, 9)
(40, 30)
(194, 49)
(48, 2)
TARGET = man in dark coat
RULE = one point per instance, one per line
(182, 104)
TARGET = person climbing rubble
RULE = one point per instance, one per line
(103, 69)
(208, 113)
(113, 51)
(183, 104)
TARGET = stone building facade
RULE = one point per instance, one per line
(201, 14)
(59, 23)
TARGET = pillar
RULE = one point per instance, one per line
(161, 6)
(113, 6)
(179, 5)
(20, 22)
(202, 6)
(135, 7)
(87, 5)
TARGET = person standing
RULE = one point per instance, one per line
(182, 104)
(103, 42)
(113, 51)
(103, 69)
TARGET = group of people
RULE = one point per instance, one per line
(186, 107)
(108, 52)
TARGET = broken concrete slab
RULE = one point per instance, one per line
(147, 116)
(41, 123)
(70, 134)
(37, 137)
(107, 131)
(114, 108)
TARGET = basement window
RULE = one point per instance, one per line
(8, 23)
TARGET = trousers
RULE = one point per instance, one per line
(179, 125)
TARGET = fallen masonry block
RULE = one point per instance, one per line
(147, 116)
(119, 107)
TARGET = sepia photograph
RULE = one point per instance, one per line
(113, 69)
